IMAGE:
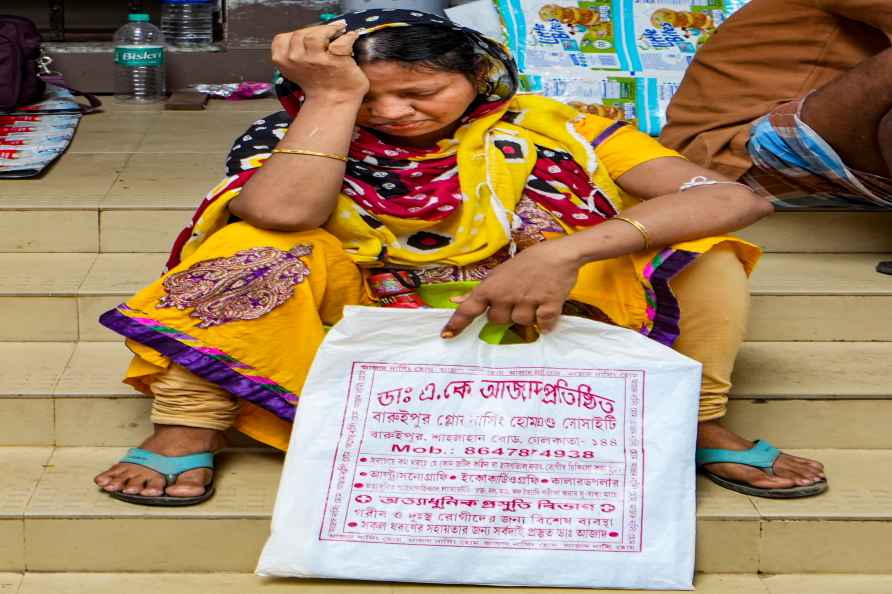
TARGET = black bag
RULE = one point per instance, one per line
(24, 71)
(20, 82)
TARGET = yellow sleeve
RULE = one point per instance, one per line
(623, 147)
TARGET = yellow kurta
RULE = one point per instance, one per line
(246, 308)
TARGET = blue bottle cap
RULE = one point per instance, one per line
(138, 17)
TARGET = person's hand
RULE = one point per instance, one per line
(531, 288)
(319, 59)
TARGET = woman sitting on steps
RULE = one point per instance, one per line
(405, 156)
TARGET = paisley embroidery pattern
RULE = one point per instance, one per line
(535, 222)
(245, 286)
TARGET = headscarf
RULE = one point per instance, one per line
(450, 204)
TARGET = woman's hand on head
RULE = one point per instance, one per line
(529, 289)
(319, 59)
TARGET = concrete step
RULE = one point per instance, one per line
(53, 519)
(131, 177)
(796, 395)
(180, 583)
(823, 232)
(143, 210)
(127, 182)
(71, 394)
(796, 297)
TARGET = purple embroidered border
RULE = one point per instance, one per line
(668, 313)
(665, 330)
(607, 133)
(200, 364)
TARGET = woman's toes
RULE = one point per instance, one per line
(813, 473)
(757, 478)
(118, 478)
(154, 487)
(134, 477)
(814, 464)
(190, 484)
(137, 480)
(109, 475)
(751, 476)
(127, 478)
(817, 467)
(800, 471)
(135, 485)
(787, 469)
(115, 484)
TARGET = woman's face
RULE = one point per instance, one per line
(414, 106)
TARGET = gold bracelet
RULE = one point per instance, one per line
(309, 153)
(641, 229)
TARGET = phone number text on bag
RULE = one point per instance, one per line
(476, 456)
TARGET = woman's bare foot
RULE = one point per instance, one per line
(789, 471)
(168, 440)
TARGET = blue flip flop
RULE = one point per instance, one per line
(762, 456)
(170, 467)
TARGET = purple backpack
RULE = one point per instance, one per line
(19, 54)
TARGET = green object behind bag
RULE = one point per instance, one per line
(440, 296)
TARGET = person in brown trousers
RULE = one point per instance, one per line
(794, 99)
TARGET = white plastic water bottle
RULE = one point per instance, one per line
(188, 23)
(139, 61)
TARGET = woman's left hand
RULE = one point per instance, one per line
(531, 288)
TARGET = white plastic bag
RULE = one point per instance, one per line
(568, 461)
(480, 15)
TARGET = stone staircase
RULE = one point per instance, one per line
(814, 377)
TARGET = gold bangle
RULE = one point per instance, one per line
(641, 229)
(285, 151)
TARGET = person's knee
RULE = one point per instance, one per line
(719, 269)
(884, 131)
(884, 139)
(242, 235)
(714, 292)
(255, 233)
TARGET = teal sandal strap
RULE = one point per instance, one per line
(761, 455)
(169, 466)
